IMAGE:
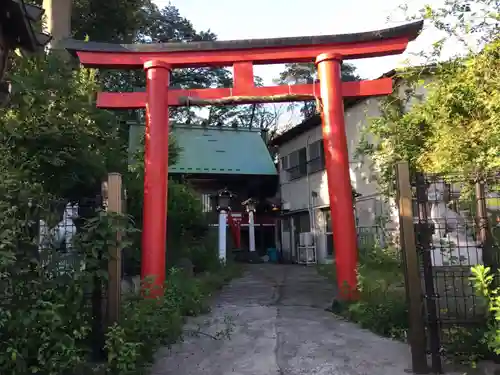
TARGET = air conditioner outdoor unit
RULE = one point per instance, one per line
(306, 239)
(306, 250)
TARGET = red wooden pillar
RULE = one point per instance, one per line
(337, 169)
(154, 231)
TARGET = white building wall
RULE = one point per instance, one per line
(298, 192)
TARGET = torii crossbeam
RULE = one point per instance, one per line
(328, 51)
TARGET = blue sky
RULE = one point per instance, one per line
(239, 19)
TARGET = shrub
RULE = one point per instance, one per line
(45, 315)
(382, 305)
(147, 324)
(187, 226)
(484, 285)
(204, 254)
(42, 324)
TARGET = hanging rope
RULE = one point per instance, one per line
(319, 105)
(186, 100)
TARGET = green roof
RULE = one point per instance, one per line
(217, 150)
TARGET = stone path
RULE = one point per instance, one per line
(280, 326)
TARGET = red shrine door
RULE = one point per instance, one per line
(328, 51)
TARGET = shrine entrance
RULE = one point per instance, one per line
(158, 60)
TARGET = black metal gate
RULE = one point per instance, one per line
(453, 225)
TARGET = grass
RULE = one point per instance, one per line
(382, 306)
(213, 281)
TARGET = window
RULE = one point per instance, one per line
(297, 164)
(316, 160)
(328, 232)
(283, 168)
(207, 202)
(328, 219)
(301, 223)
(329, 245)
(284, 163)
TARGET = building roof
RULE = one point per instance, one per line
(301, 128)
(308, 124)
(217, 150)
(315, 120)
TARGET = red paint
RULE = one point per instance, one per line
(260, 219)
(234, 224)
(154, 230)
(242, 78)
(263, 56)
(337, 169)
(134, 100)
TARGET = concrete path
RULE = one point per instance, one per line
(280, 326)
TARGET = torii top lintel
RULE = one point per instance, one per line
(242, 55)
(258, 51)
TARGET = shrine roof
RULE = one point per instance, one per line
(409, 30)
(219, 150)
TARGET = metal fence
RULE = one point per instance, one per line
(376, 235)
(454, 222)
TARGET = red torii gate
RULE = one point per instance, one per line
(159, 59)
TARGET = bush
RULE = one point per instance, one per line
(382, 305)
(384, 313)
(188, 234)
(43, 324)
(484, 284)
(204, 254)
(45, 314)
(147, 324)
(41, 320)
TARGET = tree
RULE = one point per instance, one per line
(54, 145)
(301, 73)
(109, 21)
(454, 128)
(471, 24)
(149, 24)
(52, 124)
(462, 113)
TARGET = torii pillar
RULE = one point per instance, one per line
(242, 55)
(337, 171)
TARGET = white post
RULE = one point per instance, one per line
(222, 235)
(251, 230)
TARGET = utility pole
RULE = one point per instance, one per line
(58, 19)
